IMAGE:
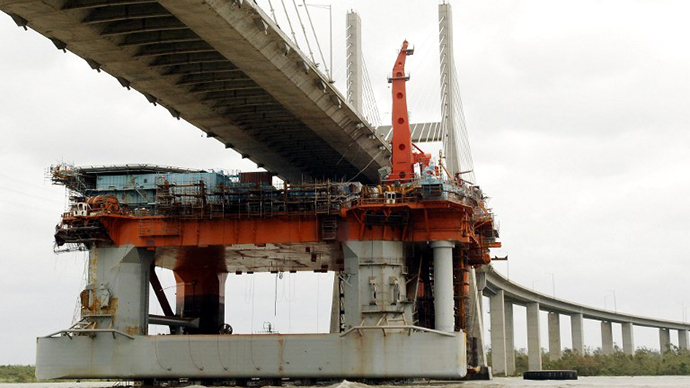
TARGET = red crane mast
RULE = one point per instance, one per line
(403, 160)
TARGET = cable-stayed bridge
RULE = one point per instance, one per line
(227, 68)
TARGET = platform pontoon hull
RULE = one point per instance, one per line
(354, 355)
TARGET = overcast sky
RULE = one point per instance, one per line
(578, 114)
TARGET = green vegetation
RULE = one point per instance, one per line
(645, 362)
(25, 374)
(17, 373)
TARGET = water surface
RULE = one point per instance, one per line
(589, 382)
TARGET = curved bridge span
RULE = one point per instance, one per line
(503, 294)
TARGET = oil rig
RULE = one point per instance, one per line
(402, 251)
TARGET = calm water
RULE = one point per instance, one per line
(589, 382)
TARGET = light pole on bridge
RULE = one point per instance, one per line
(553, 284)
(685, 308)
(615, 305)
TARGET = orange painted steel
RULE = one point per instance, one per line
(404, 217)
(411, 222)
(159, 231)
(402, 161)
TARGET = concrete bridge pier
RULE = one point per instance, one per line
(554, 336)
(533, 340)
(664, 339)
(683, 339)
(606, 337)
(499, 287)
(577, 333)
(628, 340)
(510, 338)
(498, 334)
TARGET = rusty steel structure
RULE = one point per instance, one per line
(403, 251)
(401, 231)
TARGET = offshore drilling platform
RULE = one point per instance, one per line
(402, 249)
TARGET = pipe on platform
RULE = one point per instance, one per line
(443, 286)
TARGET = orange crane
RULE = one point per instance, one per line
(404, 159)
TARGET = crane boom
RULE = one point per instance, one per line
(403, 160)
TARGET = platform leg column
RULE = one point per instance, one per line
(628, 340)
(117, 293)
(533, 339)
(374, 289)
(336, 304)
(683, 339)
(554, 336)
(606, 338)
(201, 294)
(498, 334)
(444, 305)
(510, 339)
(475, 330)
(664, 340)
(577, 333)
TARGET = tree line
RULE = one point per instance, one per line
(645, 362)
(17, 373)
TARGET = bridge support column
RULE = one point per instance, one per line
(606, 337)
(554, 336)
(510, 339)
(498, 333)
(533, 340)
(628, 340)
(683, 339)
(444, 305)
(664, 340)
(577, 333)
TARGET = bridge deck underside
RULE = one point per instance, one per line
(200, 63)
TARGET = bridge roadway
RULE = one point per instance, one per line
(503, 294)
(225, 67)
